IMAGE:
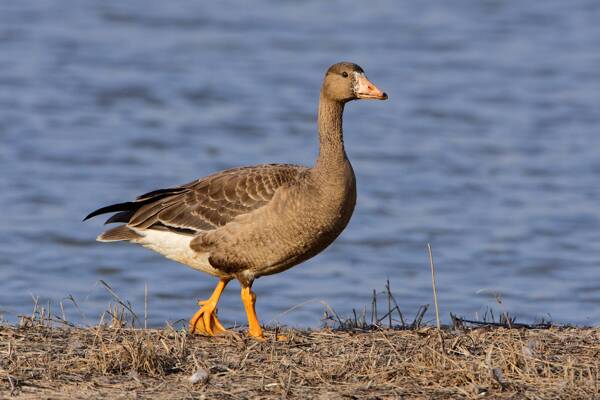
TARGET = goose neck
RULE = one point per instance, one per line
(331, 140)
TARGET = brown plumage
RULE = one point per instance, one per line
(247, 222)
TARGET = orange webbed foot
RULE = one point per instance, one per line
(205, 321)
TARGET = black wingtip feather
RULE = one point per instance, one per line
(112, 208)
(123, 216)
(128, 208)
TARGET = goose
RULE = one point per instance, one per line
(245, 223)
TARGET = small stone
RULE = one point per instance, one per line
(200, 376)
(330, 396)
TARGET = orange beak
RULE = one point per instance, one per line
(365, 89)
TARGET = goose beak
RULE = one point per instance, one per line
(365, 89)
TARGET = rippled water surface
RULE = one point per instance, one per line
(489, 148)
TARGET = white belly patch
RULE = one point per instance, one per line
(177, 248)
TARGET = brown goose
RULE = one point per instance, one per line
(247, 222)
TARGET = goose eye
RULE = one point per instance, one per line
(345, 74)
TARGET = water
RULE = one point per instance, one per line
(488, 148)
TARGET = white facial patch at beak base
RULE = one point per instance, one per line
(356, 80)
(365, 89)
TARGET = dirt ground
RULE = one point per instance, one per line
(39, 361)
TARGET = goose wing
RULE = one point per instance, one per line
(207, 203)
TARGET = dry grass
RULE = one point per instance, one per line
(110, 361)
(45, 356)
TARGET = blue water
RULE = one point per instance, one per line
(489, 148)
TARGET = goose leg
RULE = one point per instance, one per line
(249, 300)
(205, 321)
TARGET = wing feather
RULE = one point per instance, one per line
(207, 203)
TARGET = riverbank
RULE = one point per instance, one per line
(38, 361)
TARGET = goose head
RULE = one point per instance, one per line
(346, 81)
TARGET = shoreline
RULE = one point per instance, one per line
(39, 361)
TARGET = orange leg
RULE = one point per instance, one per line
(205, 320)
(249, 299)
